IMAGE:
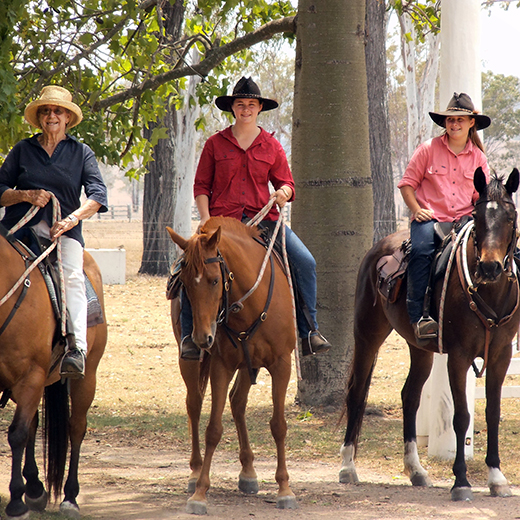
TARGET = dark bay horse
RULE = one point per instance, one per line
(25, 362)
(220, 266)
(481, 317)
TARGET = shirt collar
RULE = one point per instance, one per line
(467, 149)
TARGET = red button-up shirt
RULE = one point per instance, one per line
(443, 180)
(236, 181)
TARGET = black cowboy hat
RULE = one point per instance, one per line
(245, 88)
(461, 104)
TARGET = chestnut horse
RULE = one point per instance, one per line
(220, 266)
(26, 358)
(479, 321)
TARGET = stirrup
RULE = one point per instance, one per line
(426, 328)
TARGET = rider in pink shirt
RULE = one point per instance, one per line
(437, 186)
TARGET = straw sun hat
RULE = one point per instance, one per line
(53, 95)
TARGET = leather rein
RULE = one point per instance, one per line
(487, 315)
(226, 308)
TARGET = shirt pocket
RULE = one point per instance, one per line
(261, 163)
(226, 162)
(437, 169)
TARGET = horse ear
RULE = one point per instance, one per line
(181, 242)
(214, 239)
(479, 180)
(512, 181)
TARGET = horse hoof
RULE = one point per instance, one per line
(70, 510)
(192, 485)
(460, 494)
(348, 476)
(500, 490)
(419, 480)
(25, 516)
(286, 502)
(196, 507)
(249, 486)
(37, 504)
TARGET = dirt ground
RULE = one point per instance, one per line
(124, 478)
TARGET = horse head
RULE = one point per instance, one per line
(495, 225)
(203, 278)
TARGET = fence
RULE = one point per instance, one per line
(117, 212)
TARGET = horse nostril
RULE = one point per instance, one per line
(210, 341)
(490, 270)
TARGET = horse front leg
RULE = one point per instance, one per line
(280, 375)
(247, 480)
(420, 368)
(457, 372)
(190, 370)
(495, 375)
(35, 494)
(220, 378)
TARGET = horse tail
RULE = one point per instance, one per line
(355, 405)
(56, 435)
(204, 374)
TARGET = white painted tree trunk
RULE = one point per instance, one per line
(427, 86)
(459, 72)
(185, 141)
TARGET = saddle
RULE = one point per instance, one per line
(391, 269)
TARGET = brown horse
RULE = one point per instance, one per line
(26, 359)
(478, 321)
(221, 264)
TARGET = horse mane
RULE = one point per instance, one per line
(193, 255)
(495, 190)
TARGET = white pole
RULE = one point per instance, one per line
(460, 71)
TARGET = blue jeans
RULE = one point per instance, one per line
(304, 271)
(421, 257)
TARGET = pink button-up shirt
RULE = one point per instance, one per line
(443, 180)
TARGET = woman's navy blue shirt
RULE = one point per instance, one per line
(72, 167)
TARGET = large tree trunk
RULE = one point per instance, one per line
(379, 130)
(331, 164)
(160, 181)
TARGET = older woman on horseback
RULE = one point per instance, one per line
(54, 163)
(437, 186)
(235, 169)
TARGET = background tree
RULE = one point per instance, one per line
(379, 130)
(331, 165)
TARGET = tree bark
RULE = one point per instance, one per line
(379, 130)
(160, 181)
(331, 165)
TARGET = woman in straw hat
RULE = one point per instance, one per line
(53, 162)
(437, 186)
(232, 180)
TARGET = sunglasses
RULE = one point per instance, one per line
(48, 111)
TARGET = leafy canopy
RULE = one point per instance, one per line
(121, 63)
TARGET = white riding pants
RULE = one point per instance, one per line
(72, 262)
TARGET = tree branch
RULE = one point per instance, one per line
(214, 57)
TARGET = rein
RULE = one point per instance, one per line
(489, 318)
(24, 278)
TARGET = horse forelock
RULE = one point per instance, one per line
(496, 190)
(193, 258)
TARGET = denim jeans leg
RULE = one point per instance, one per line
(186, 316)
(421, 257)
(304, 271)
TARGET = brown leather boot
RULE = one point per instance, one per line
(189, 351)
(314, 343)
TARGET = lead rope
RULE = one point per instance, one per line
(465, 231)
(56, 216)
(281, 219)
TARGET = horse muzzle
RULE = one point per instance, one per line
(205, 340)
(489, 271)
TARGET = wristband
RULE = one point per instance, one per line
(72, 218)
(284, 192)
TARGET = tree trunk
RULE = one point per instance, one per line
(331, 165)
(160, 181)
(379, 130)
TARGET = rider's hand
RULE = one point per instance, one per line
(38, 198)
(423, 215)
(281, 197)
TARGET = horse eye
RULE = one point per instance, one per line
(215, 281)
